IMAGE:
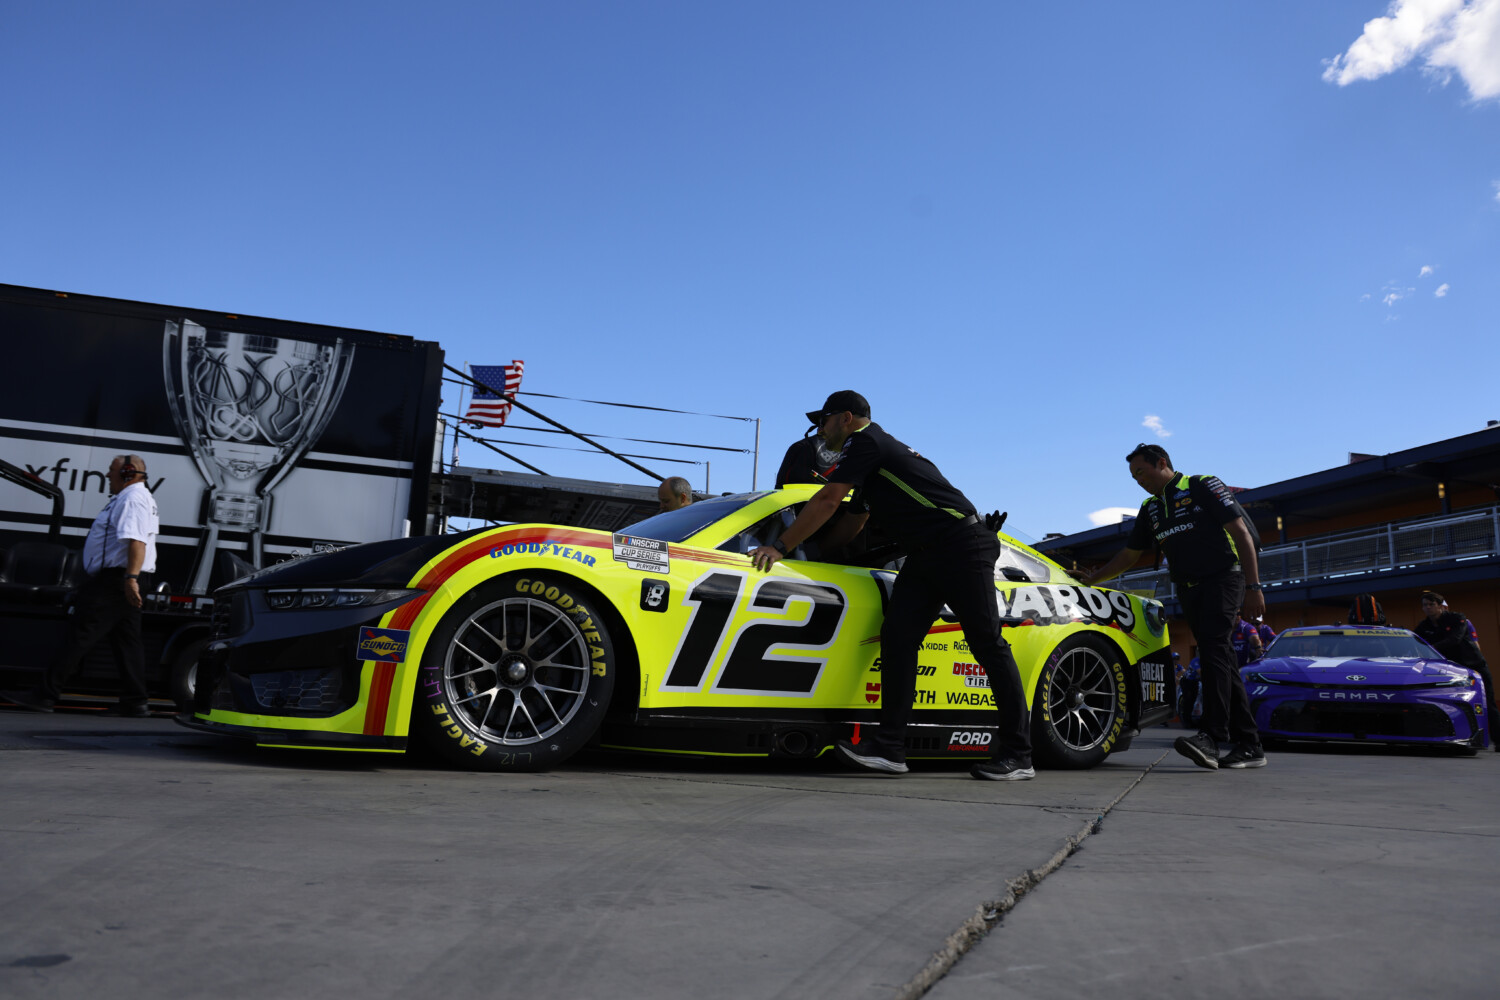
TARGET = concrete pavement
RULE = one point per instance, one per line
(145, 860)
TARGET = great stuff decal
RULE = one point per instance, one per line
(1050, 604)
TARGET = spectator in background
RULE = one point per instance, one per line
(1453, 635)
(1189, 697)
(1246, 639)
(674, 493)
(1266, 633)
(119, 556)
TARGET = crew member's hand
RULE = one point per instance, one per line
(1083, 576)
(1255, 604)
(765, 557)
(133, 593)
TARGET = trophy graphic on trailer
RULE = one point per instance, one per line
(248, 406)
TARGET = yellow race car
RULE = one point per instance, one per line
(512, 648)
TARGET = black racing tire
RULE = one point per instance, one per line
(517, 675)
(1081, 704)
(1274, 743)
(184, 673)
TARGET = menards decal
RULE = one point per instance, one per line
(1050, 604)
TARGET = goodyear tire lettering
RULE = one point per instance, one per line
(1081, 703)
(516, 675)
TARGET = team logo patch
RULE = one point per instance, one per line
(656, 595)
(383, 645)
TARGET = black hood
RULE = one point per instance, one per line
(391, 563)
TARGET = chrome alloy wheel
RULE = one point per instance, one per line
(518, 670)
(1081, 698)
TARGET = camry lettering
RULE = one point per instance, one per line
(1356, 695)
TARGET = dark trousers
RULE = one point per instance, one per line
(957, 569)
(100, 610)
(1211, 607)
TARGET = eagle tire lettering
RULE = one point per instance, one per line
(516, 675)
(1081, 705)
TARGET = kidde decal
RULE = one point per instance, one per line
(974, 741)
(1048, 604)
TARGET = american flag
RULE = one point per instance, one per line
(487, 409)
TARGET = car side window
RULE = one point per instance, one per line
(1018, 567)
(767, 530)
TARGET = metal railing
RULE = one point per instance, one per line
(1472, 534)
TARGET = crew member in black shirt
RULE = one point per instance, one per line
(950, 558)
(1452, 635)
(1199, 528)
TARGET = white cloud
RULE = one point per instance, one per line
(1153, 423)
(1452, 36)
(1365, 297)
(1112, 515)
(1393, 298)
(1424, 272)
(1442, 290)
(1497, 190)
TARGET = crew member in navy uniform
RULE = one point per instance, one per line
(119, 554)
(1453, 635)
(1210, 553)
(950, 558)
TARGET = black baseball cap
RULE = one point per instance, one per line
(844, 399)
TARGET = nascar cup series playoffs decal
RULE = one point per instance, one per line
(645, 554)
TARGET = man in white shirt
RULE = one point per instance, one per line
(120, 550)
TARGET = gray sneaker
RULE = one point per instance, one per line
(1244, 755)
(869, 759)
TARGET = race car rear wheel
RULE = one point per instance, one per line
(1081, 703)
(517, 675)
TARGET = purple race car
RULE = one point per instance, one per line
(1375, 685)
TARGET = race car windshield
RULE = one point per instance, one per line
(1347, 644)
(675, 525)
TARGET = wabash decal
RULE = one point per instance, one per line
(1050, 604)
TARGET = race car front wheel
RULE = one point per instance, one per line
(1080, 707)
(517, 675)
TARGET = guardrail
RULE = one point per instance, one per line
(1473, 534)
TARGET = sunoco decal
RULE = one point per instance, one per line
(1049, 604)
(645, 554)
(383, 645)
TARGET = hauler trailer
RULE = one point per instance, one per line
(262, 438)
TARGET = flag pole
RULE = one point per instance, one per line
(755, 462)
(460, 409)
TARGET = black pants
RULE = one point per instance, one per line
(99, 610)
(1211, 607)
(957, 569)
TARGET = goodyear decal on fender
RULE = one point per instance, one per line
(383, 645)
(648, 555)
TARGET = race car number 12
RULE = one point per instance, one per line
(749, 665)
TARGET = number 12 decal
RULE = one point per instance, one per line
(749, 665)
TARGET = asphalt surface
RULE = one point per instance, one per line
(145, 860)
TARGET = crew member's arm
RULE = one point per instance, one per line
(1123, 560)
(135, 558)
(1244, 545)
(819, 509)
(843, 531)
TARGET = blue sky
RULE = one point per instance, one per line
(1020, 230)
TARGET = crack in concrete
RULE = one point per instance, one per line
(988, 914)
